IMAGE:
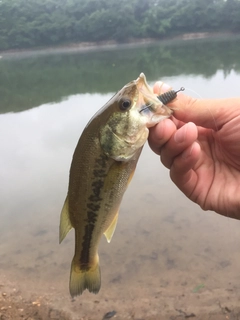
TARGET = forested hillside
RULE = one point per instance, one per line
(32, 23)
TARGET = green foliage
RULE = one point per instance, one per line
(30, 82)
(35, 23)
(231, 14)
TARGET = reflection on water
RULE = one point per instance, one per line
(166, 254)
(36, 80)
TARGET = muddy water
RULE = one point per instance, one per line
(168, 258)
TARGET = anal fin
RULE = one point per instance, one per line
(110, 230)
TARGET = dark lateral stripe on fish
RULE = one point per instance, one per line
(93, 206)
(91, 220)
(84, 258)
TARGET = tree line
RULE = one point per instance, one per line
(34, 23)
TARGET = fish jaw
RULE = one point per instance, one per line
(150, 107)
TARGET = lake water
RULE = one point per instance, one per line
(168, 259)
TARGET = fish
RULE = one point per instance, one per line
(102, 167)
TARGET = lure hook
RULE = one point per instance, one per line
(168, 96)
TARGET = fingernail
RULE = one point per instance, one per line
(160, 87)
(165, 87)
(180, 134)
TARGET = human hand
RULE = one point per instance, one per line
(200, 145)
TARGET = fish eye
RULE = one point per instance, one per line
(125, 104)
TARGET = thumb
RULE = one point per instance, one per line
(208, 113)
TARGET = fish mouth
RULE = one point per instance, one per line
(150, 106)
(143, 86)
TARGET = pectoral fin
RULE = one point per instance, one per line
(65, 223)
(110, 230)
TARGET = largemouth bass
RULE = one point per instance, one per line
(103, 164)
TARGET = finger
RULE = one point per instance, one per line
(161, 87)
(160, 134)
(182, 139)
(203, 112)
(182, 173)
(209, 113)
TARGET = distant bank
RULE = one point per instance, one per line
(108, 45)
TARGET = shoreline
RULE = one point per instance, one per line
(219, 304)
(82, 47)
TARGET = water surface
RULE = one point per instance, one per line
(166, 254)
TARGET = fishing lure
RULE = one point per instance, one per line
(165, 98)
(168, 96)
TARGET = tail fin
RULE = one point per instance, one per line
(84, 279)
